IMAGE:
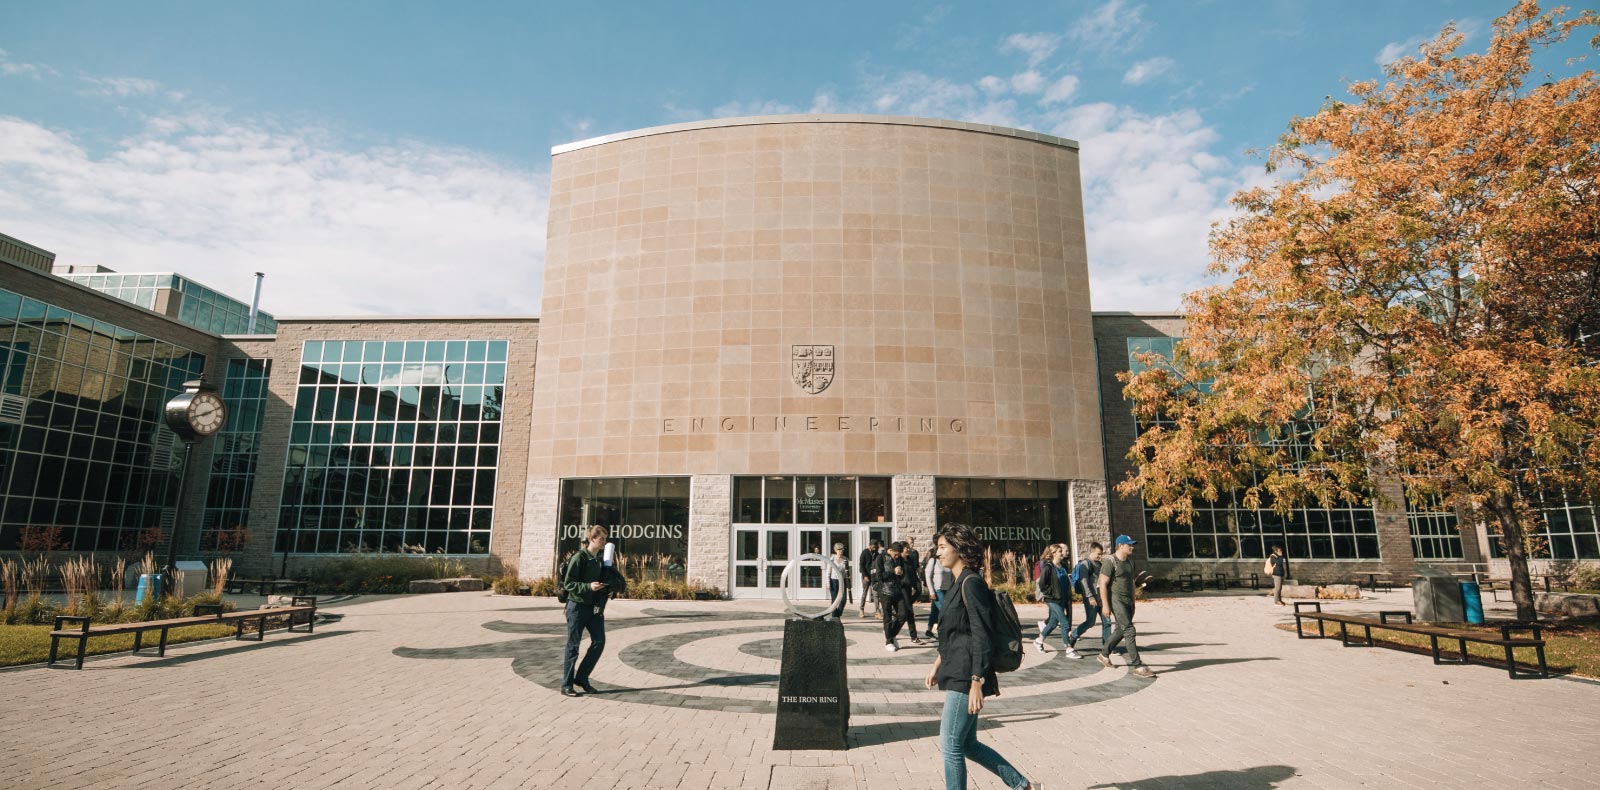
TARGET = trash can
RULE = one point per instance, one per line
(1437, 596)
(149, 588)
(194, 578)
(1472, 602)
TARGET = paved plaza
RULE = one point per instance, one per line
(459, 691)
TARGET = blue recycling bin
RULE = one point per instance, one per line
(149, 588)
(1472, 601)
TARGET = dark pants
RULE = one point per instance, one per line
(833, 591)
(1124, 633)
(897, 613)
(1090, 612)
(582, 617)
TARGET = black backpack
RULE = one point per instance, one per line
(1005, 633)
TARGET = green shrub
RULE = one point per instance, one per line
(544, 586)
(668, 591)
(1020, 592)
(379, 572)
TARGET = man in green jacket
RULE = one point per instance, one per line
(588, 584)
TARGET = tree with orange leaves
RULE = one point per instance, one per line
(1419, 296)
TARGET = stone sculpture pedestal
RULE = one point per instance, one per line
(813, 687)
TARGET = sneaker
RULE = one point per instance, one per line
(891, 647)
(1073, 653)
(1143, 671)
(1105, 660)
(1038, 644)
(916, 641)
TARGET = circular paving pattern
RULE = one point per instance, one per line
(729, 661)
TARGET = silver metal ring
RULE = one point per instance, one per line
(783, 586)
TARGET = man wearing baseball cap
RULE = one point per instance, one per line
(1116, 591)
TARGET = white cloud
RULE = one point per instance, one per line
(1113, 27)
(736, 109)
(1146, 70)
(994, 86)
(1027, 82)
(402, 228)
(1037, 46)
(121, 87)
(1469, 28)
(1061, 90)
(12, 68)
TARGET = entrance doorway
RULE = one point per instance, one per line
(760, 554)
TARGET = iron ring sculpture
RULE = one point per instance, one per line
(789, 605)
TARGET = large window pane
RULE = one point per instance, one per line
(810, 503)
(647, 519)
(779, 500)
(875, 501)
(747, 500)
(841, 500)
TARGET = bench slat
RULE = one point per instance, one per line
(111, 629)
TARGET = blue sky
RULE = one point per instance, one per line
(392, 157)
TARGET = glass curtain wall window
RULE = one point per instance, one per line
(1017, 516)
(394, 446)
(812, 499)
(1435, 532)
(86, 461)
(1567, 531)
(646, 517)
(1226, 530)
(235, 453)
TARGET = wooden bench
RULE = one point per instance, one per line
(1376, 580)
(302, 613)
(266, 586)
(1225, 582)
(1312, 610)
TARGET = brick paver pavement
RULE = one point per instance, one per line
(457, 691)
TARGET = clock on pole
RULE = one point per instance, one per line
(196, 413)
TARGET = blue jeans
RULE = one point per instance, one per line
(1058, 618)
(1090, 612)
(582, 617)
(833, 590)
(958, 742)
(935, 609)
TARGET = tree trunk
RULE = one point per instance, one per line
(1511, 539)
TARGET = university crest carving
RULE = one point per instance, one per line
(813, 367)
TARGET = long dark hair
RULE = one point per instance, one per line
(964, 540)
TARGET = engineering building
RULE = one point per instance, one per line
(758, 337)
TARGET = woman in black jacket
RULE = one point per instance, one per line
(896, 577)
(963, 671)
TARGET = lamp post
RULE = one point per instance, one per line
(193, 415)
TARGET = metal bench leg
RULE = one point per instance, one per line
(238, 629)
(1511, 663)
(138, 641)
(163, 652)
(261, 629)
(1434, 641)
(1544, 671)
(55, 641)
(1344, 635)
(1297, 632)
(1464, 659)
(1368, 629)
(83, 647)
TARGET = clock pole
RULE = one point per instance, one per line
(194, 414)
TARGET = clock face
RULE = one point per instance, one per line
(207, 413)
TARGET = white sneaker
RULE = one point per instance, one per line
(1072, 653)
(1038, 644)
(891, 647)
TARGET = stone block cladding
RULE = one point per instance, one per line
(915, 515)
(943, 268)
(541, 519)
(1091, 519)
(710, 524)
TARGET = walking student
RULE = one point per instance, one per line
(864, 567)
(1116, 590)
(893, 594)
(588, 584)
(913, 565)
(1086, 581)
(1055, 587)
(938, 579)
(963, 670)
(1278, 567)
(835, 578)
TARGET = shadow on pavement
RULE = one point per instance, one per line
(1178, 645)
(1262, 777)
(269, 643)
(1196, 663)
(898, 731)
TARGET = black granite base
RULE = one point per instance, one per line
(813, 687)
